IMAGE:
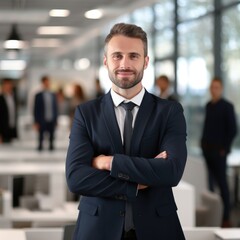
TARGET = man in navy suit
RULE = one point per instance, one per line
(98, 169)
(219, 130)
(45, 113)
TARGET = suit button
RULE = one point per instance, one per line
(120, 197)
(123, 176)
(122, 213)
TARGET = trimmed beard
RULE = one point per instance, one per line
(125, 82)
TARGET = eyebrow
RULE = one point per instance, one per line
(136, 53)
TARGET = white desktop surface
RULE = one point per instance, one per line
(24, 168)
(228, 234)
(11, 154)
(10, 234)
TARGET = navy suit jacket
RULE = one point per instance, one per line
(160, 125)
(220, 126)
(39, 108)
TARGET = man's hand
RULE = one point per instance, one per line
(162, 155)
(102, 162)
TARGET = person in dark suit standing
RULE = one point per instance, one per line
(45, 113)
(116, 175)
(8, 112)
(219, 130)
(163, 84)
(8, 129)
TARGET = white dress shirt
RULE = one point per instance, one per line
(48, 106)
(120, 111)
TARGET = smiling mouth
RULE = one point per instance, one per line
(124, 73)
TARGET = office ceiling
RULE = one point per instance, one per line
(29, 15)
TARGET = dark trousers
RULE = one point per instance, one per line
(49, 128)
(217, 168)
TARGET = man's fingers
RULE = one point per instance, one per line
(162, 155)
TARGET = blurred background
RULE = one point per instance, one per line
(190, 41)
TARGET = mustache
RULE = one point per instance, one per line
(124, 71)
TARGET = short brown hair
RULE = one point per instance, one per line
(217, 79)
(128, 30)
(164, 78)
(44, 78)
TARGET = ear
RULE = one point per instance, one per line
(146, 62)
(105, 61)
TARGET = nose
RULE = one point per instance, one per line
(125, 63)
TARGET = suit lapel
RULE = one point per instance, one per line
(111, 124)
(144, 113)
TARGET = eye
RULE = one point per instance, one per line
(117, 56)
(134, 56)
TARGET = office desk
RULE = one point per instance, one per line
(66, 213)
(228, 234)
(55, 171)
(234, 163)
(184, 195)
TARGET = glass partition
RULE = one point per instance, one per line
(192, 9)
(195, 69)
(231, 59)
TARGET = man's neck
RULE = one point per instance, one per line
(128, 93)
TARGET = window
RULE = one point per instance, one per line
(192, 9)
(195, 70)
(231, 59)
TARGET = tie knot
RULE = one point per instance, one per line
(128, 106)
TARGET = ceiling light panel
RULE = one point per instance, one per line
(24, 16)
(60, 30)
(18, 65)
(94, 14)
(59, 13)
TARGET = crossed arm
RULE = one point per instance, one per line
(103, 162)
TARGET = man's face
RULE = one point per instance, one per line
(216, 90)
(125, 61)
(7, 87)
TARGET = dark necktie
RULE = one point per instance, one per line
(127, 131)
(127, 135)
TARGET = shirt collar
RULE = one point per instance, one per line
(117, 99)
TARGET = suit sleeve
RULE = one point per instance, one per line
(231, 127)
(157, 171)
(81, 177)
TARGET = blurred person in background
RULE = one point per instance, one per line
(219, 130)
(63, 102)
(8, 129)
(164, 87)
(99, 90)
(45, 113)
(77, 98)
(8, 112)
